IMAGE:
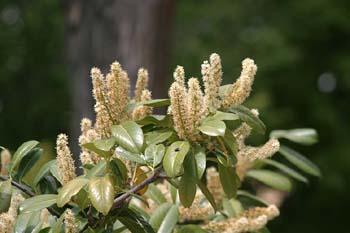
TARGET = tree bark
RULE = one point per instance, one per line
(98, 32)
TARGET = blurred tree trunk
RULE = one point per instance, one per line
(98, 32)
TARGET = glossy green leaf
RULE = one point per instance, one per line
(157, 102)
(22, 151)
(120, 171)
(303, 136)
(54, 171)
(156, 137)
(248, 117)
(187, 186)
(92, 147)
(224, 116)
(229, 180)
(58, 226)
(164, 218)
(200, 160)
(272, 179)
(174, 157)
(286, 170)
(129, 155)
(231, 145)
(207, 194)
(28, 222)
(191, 229)
(151, 120)
(154, 154)
(97, 170)
(28, 162)
(300, 161)
(5, 195)
(38, 202)
(105, 144)
(101, 193)
(213, 128)
(128, 135)
(155, 194)
(44, 170)
(69, 190)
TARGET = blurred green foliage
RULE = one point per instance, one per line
(302, 50)
(34, 101)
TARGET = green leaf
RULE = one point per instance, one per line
(98, 170)
(286, 170)
(5, 195)
(187, 186)
(231, 144)
(303, 136)
(223, 89)
(213, 128)
(58, 226)
(151, 120)
(155, 194)
(232, 207)
(44, 170)
(129, 155)
(156, 102)
(201, 161)
(250, 199)
(248, 117)
(120, 171)
(300, 161)
(54, 171)
(156, 137)
(92, 147)
(105, 144)
(38, 202)
(22, 151)
(229, 180)
(69, 190)
(28, 222)
(164, 218)
(128, 135)
(207, 194)
(154, 154)
(191, 229)
(270, 178)
(174, 157)
(224, 116)
(28, 162)
(101, 193)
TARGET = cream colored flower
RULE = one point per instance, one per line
(65, 162)
(241, 89)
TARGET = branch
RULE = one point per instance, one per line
(29, 193)
(121, 199)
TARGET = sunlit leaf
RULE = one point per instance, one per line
(22, 151)
(69, 190)
(174, 157)
(38, 202)
(128, 135)
(303, 136)
(164, 218)
(213, 128)
(101, 193)
(44, 170)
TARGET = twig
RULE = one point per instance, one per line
(120, 200)
(30, 193)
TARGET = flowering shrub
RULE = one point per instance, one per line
(187, 171)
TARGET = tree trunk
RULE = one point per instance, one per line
(134, 32)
